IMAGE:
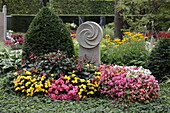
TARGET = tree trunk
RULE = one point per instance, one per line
(118, 22)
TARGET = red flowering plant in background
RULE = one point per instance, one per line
(128, 83)
(163, 34)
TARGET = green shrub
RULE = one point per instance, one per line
(127, 54)
(159, 60)
(47, 33)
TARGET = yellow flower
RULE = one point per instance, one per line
(82, 85)
(97, 77)
(33, 80)
(116, 46)
(90, 84)
(88, 65)
(84, 96)
(79, 93)
(74, 81)
(107, 35)
(67, 77)
(28, 77)
(80, 96)
(43, 78)
(23, 90)
(15, 73)
(22, 87)
(73, 75)
(17, 88)
(91, 87)
(76, 78)
(52, 75)
(24, 69)
(27, 72)
(88, 81)
(28, 90)
(82, 80)
(117, 40)
(81, 90)
(97, 73)
(27, 83)
(90, 92)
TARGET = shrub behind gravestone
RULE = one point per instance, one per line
(47, 33)
(159, 60)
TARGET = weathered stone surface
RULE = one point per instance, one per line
(1, 26)
(89, 35)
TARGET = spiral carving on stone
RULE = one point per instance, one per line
(89, 34)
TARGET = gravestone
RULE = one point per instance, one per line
(1, 26)
(3, 23)
(89, 34)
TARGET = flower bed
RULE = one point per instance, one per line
(84, 80)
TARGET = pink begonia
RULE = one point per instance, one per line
(62, 89)
(128, 83)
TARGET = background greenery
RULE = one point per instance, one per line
(136, 14)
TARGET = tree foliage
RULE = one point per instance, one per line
(137, 14)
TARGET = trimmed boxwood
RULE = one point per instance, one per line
(47, 33)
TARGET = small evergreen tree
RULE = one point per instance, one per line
(159, 60)
(47, 33)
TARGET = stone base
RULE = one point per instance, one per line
(93, 53)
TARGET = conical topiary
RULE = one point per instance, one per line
(159, 60)
(47, 33)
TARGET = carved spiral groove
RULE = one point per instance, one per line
(89, 34)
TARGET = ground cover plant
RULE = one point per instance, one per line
(11, 102)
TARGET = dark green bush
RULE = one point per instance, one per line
(159, 60)
(47, 33)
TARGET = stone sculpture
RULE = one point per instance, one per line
(89, 34)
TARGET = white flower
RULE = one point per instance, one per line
(73, 25)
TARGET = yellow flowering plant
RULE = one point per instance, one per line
(30, 84)
(128, 51)
(87, 87)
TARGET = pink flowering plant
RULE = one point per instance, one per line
(128, 83)
(82, 82)
(63, 89)
(14, 40)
